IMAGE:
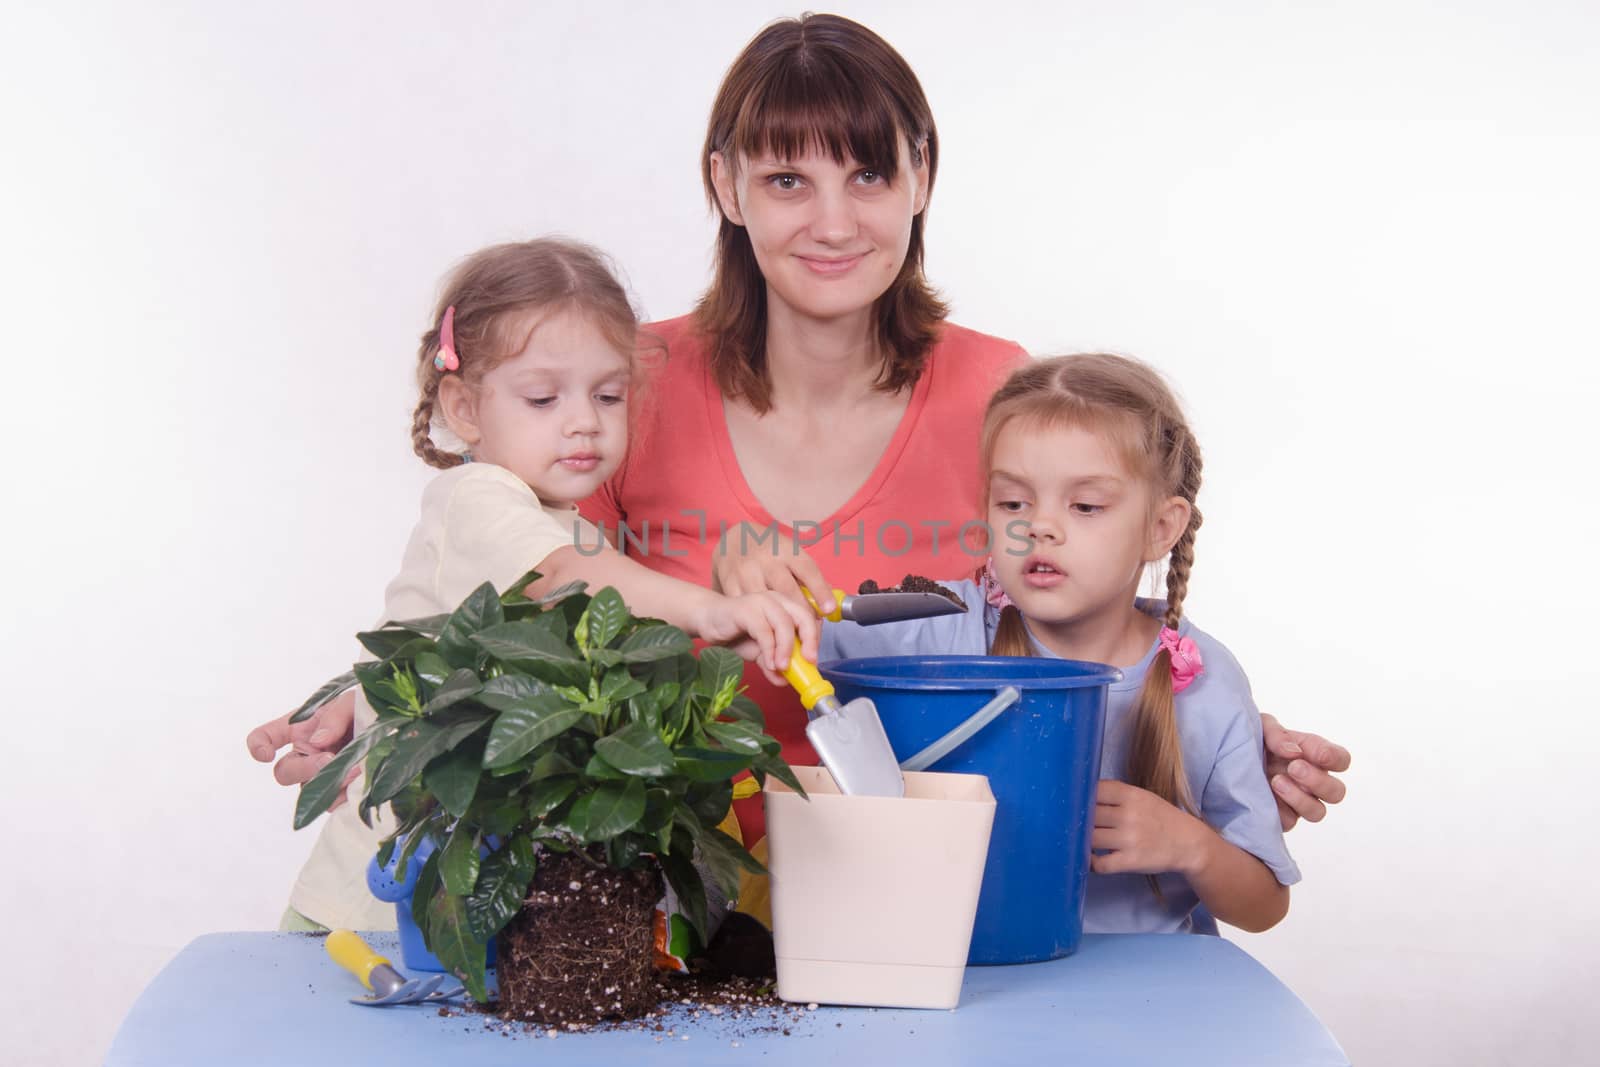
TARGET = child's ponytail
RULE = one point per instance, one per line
(1155, 757)
(428, 378)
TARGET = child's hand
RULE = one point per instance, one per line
(1142, 834)
(761, 627)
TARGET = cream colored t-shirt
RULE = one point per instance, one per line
(480, 523)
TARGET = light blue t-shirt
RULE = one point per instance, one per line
(1219, 731)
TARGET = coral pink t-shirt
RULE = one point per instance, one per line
(681, 486)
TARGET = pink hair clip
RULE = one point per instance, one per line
(993, 594)
(1185, 657)
(446, 358)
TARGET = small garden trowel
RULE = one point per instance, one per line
(849, 738)
(378, 975)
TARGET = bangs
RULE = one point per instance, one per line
(826, 105)
(1120, 429)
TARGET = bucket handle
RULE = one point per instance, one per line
(1003, 699)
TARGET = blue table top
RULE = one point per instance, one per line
(258, 998)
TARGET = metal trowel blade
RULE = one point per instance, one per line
(856, 751)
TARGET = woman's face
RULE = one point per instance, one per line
(829, 237)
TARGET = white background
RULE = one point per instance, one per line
(1362, 239)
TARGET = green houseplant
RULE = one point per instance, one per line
(558, 752)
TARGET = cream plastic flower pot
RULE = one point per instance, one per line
(873, 897)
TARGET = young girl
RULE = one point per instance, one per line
(530, 367)
(1091, 474)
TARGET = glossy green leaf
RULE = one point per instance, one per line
(521, 729)
(453, 778)
(532, 648)
(678, 867)
(724, 857)
(458, 864)
(546, 794)
(502, 887)
(388, 640)
(710, 801)
(637, 749)
(609, 809)
(480, 611)
(618, 686)
(511, 691)
(718, 667)
(659, 806)
(326, 785)
(623, 851)
(416, 746)
(423, 831)
(650, 643)
(739, 737)
(710, 764)
(600, 770)
(451, 939)
(607, 616)
(432, 669)
(743, 709)
(423, 892)
(327, 692)
(461, 685)
(776, 767)
(656, 699)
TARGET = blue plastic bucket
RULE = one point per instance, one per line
(1042, 758)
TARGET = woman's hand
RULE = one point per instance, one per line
(1300, 767)
(313, 742)
(785, 568)
(761, 627)
(1139, 833)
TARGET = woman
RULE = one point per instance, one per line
(816, 421)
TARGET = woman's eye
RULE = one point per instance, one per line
(787, 183)
(540, 401)
(871, 177)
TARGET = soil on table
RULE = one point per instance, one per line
(582, 948)
(911, 583)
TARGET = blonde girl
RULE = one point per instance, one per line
(525, 380)
(1091, 476)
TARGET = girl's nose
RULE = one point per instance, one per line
(1045, 528)
(582, 417)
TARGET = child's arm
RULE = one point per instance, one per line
(1143, 834)
(772, 622)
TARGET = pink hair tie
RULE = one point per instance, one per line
(993, 595)
(1185, 656)
(446, 359)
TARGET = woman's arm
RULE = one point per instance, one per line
(1139, 833)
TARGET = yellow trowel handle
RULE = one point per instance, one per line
(836, 615)
(802, 674)
(354, 955)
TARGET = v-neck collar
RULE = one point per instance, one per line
(717, 419)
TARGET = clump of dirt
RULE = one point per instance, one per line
(580, 951)
(911, 583)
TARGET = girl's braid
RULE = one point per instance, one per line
(1187, 456)
(422, 425)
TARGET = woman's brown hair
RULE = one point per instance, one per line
(497, 293)
(825, 83)
(1127, 401)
